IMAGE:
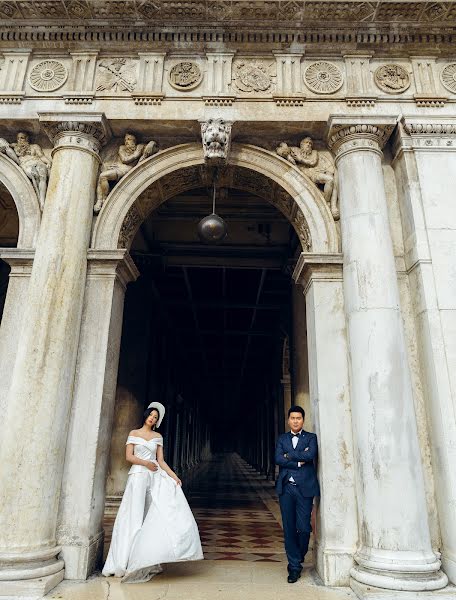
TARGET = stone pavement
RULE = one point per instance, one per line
(206, 580)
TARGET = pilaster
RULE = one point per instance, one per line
(320, 276)
(425, 167)
(289, 91)
(82, 78)
(359, 80)
(150, 78)
(218, 87)
(13, 76)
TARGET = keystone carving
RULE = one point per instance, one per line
(317, 165)
(216, 135)
(129, 154)
(31, 159)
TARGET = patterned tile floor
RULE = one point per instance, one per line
(236, 510)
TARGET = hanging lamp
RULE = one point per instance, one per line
(212, 229)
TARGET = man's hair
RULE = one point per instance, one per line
(297, 409)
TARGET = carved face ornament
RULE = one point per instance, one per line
(215, 137)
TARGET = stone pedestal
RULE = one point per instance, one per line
(425, 166)
(37, 410)
(79, 530)
(395, 549)
(321, 277)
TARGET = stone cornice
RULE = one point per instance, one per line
(425, 133)
(367, 132)
(321, 267)
(88, 131)
(238, 11)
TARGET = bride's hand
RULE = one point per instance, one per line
(178, 481)
(151, 466)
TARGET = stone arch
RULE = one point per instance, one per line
(23, 194)
(179, 168)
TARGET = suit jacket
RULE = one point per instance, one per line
(305, 476)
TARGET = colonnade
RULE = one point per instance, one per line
(62, 381)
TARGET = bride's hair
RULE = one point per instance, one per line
(147, 413)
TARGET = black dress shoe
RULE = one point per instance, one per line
(293, 576)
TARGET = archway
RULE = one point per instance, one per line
(24, 196)
(171, 172)
(174, 171)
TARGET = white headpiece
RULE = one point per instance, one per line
(161, 411)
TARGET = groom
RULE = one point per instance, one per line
(296, 486)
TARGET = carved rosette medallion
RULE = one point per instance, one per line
(323, 77)
(48, 76)
(185, 76)
(392, 79)
(448, 77)
(252, 77)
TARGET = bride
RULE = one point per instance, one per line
(154, 524)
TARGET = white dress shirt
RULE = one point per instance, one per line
(294, 441)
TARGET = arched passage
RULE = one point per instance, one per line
(152, 321)
(24, 196)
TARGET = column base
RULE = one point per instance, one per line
(30, 589)
(400, 580)
(367, 592)
(333, 566)
(449, 566)
(82, 560)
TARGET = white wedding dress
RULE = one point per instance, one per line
(154, 524)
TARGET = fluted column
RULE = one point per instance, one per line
(32, 448)
(395, 548)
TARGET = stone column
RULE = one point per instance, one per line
(82, 501)
(299, 358)
(321, 278)
(425, 167)
(36, 419)
(395, 548)
(20, 261)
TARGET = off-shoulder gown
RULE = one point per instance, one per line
(154, 524)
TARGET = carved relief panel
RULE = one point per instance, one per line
(116, 75)
(254, 76)
(184, 75)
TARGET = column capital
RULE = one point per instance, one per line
(425, 133)
(321, 267)
(85, 131)
(345, 134)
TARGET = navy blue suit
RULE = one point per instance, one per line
(296, 498)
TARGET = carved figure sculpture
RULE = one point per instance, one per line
(316, 165)
(5, 148)
(34, 164)
(130, 153)
(216, 134)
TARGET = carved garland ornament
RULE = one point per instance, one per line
(323, 77)
(448, 77)
(392, 79)
(48, 76)
(185, 76)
